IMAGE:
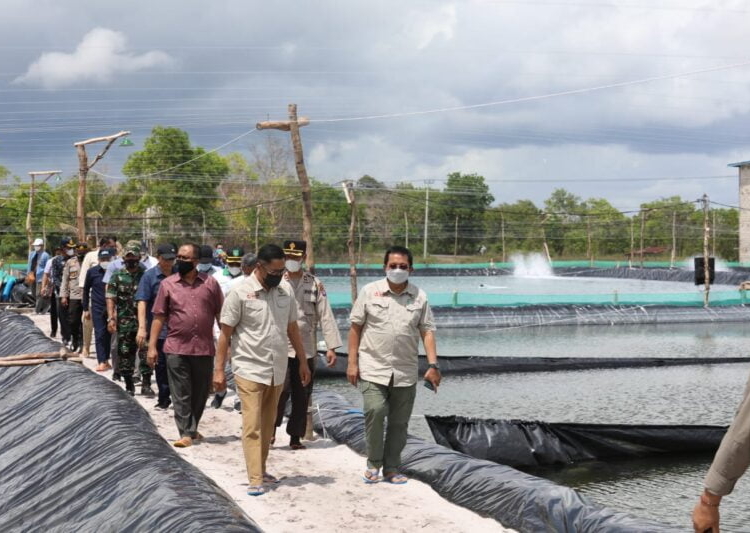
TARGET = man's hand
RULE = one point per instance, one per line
(151, 356)
(219, 380)
(87, 315)
(330, 358)
(304, 372)
(352, 373)
(706, 517)
(111, 325)
(64, 301)
(433, 376)
(140, 337)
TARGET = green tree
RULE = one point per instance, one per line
(463, 202)
(177, 181)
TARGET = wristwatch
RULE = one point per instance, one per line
(434, 365)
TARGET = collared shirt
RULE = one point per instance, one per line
(313, 309)
(224, 278)
(93, 290)
(148, 288)
(91, 259)
(391, 328)
(260, 319)
(732, 458)
(69, 288)
(122, 288)
(190, 311)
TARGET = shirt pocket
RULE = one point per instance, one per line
(378, 310)
(412, 314)
(308, 304)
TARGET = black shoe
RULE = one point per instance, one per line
(146, 387)
(53, 334)
(129, 385)
(163, 406)
(218, 399)
(115, 376)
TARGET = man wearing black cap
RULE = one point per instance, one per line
(206, 260)
(313, 309)
(95, 307)
(148, 288)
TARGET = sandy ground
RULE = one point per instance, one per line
(320, 488)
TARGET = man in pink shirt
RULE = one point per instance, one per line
(189, 302)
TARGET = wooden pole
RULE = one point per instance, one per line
(706, 266)
(643, 230)
(426, 217)
(83, 171)
(292, 126)
(674, 239)
(351, 200)
(32, 192)
(713, 233)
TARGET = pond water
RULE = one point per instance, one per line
(663, 488)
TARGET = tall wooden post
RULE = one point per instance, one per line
(292, 126)
(83, 171)
(32, 192)
(351, 200)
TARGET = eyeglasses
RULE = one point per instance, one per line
(402, 266)
(186, 258)
(279, 272)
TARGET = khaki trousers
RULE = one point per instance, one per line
(259, 404)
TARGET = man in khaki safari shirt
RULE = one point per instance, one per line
(259, 315)
(387, 321)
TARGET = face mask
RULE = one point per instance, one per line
(293, 265)
(397, 276)
(183, 267)
(272, 281)
(131, 263)
(104, 264)
(234, 271)
(204, 267)
(70, 252)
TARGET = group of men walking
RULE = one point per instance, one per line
(184, 318)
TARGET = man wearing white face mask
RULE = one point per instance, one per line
(225, 276)
(388, 319)
(35, 272)
(313, 309)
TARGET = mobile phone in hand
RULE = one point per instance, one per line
(429, 385)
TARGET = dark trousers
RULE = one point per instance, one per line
(162, 380)
(75, 311)
(62, 315)
(53, 316)
(102, 336)
(189, 383)
(300, 396)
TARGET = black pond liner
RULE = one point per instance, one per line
(734, 276)
(574, 315)
(78, 454)
(515, 499)
(500, 365)
(523, 443)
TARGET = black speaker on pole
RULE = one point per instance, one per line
(700, 270)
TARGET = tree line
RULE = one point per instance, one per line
(174, 191)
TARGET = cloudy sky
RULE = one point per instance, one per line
(623, 99)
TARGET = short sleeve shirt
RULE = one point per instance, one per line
(148, 288)
(122, 288)
(190, 311)
(391, 328)
(260, 319)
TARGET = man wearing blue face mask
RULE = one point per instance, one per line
(387, 321)
(205, 261)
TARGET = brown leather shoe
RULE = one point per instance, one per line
(184, 442)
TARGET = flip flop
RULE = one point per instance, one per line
(256, 490)
(394, 478)
(372, 475)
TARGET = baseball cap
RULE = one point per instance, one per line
(104, 254)
(166, 251)
(206, 254)
(133, 247)
(38, 242)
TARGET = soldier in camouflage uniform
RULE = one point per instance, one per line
(122, 311)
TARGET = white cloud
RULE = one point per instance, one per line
(101, 55)
(427, 25)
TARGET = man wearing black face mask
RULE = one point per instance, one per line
(122, 312)
(190, 301)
